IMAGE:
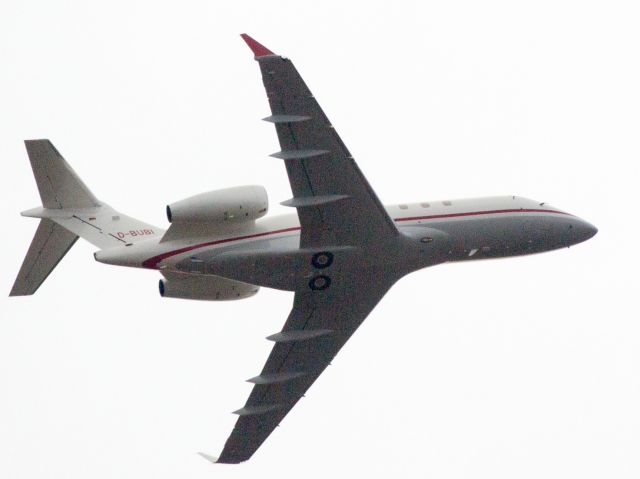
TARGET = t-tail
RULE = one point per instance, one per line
(69, 210)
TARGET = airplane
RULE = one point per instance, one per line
(339, 253)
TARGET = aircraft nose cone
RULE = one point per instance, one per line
(584, 231)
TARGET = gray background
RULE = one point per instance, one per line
(517, 368)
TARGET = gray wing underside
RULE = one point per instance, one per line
(49, 245)
(337, 207)
(328, 319)
(335, 203)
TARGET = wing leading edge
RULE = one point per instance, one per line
(317, 328)
(336, 207)
(335, 203)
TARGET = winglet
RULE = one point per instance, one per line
(258, 49)
(209, 458)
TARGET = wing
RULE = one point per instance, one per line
(337, 208)
(319, 325)
(335, 203)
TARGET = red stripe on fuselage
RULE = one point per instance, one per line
(476, 213)
(153, 261)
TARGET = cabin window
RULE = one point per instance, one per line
(425, 205)
(446, 203)
(403, 207)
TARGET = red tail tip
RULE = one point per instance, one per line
(258, 49)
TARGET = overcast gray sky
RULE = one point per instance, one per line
(521, 368)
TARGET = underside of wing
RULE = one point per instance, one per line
(335, 203)
(319, 325)
(338, 210)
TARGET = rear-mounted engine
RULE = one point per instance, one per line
(209, 288)
(242, 203)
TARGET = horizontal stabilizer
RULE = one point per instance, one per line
(67, 201)
(58, 184)
(49, 245)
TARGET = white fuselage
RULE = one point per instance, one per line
(476, 228)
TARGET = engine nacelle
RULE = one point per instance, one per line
(209, 288)
(242, 203)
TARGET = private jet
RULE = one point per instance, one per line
(339, 253)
